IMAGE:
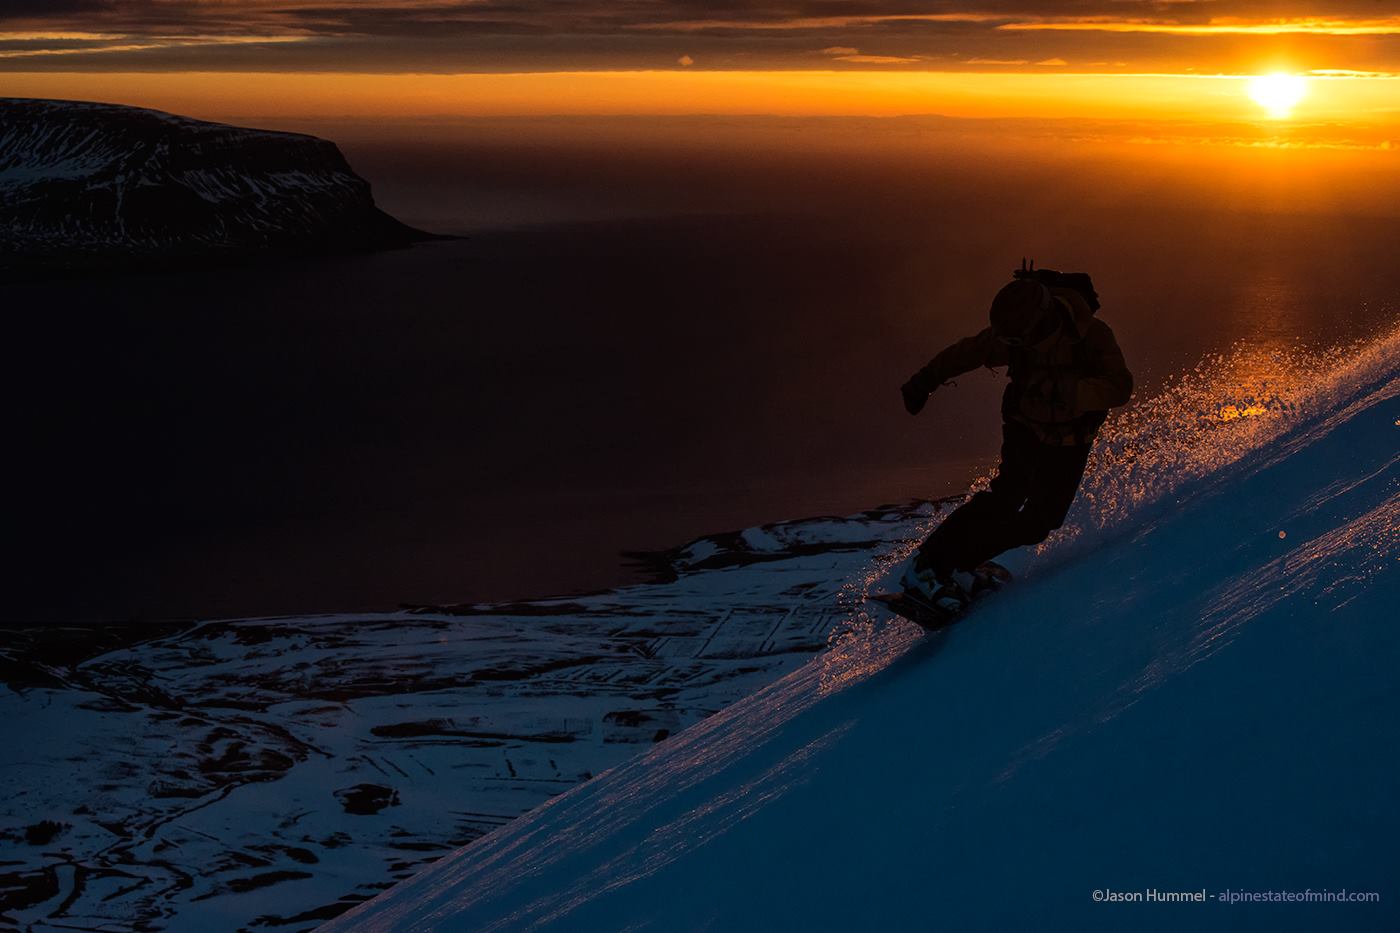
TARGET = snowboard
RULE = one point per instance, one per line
(989, 578)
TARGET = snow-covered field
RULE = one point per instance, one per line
(272, 772)
(1189, 689)
(1194, 695)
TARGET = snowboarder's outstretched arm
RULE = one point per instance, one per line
(1106, 382)
(981, 349)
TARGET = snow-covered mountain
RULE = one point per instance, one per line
(87, 183)
(1193, 699)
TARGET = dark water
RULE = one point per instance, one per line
(710, 341)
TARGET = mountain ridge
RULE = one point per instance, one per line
(88, 185)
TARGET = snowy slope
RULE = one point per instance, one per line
(90, 182)
(1194, 692)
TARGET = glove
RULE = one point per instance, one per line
(915, 395)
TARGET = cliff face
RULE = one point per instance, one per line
(88, 183)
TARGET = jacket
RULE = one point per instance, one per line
(1063, 386)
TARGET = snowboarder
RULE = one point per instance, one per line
(1066, 371)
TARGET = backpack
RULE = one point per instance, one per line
(1083, 428)
(1076, 281)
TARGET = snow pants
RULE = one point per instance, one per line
(1033, 490)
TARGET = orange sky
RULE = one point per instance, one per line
(1104, 59)
(1351, 99)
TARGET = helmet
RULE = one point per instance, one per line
(1018, 307)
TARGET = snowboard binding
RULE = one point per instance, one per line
(931, 616)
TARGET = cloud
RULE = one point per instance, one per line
(10, 9)
(1222, 26)
(685, 61)
(846, 53)
(1349, 73)
(542, 35)
(96, 44)
(879, 59)
(794, 23)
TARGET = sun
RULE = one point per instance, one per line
(1278, 93)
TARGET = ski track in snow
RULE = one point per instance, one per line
(275, 772)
